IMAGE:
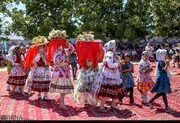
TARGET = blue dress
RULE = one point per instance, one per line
(162, 81)
(127, 77)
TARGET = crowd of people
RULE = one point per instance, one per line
(105, 73)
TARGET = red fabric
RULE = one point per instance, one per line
(89, 50)
(32, 52)
(52, 46)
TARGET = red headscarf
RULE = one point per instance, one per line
(53, 45)
(32, 52)
(89, 50)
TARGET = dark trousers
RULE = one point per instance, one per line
(131, 94)
(164, 98)
(74, 69)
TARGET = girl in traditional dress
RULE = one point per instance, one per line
(127, 77)
(59, 50)
(40, 72)
(108, 83)
(17, 76)
(9, 63)
(163, 77)
(88, 71)
(144, 79)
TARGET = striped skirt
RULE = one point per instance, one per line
(17, 77)
(41, 78)
(112, 91)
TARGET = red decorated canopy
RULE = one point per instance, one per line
(53, 45)
(91, 50)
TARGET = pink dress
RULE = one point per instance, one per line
(17, 76)
(61, 82)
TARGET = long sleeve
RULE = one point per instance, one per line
(109, 61)
(13, 60)
(70, 49)
(58, 57)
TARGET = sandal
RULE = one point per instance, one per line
(168, 109)
(102, 110)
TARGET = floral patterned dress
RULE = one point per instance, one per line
(41, 75)
(144, 79)
(83, 89)
(17, 76)
(61, 81)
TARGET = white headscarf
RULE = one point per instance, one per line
(160, 55)
(111, 45)
(10, 53)
(105, 47)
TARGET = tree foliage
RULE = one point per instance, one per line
(107, 18)
(167, 17)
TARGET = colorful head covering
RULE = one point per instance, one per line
(57, 38)
(88, 48)
(32, 52)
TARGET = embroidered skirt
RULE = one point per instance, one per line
(61, 82)
(114, 91)
(41, 78)
(17, 77)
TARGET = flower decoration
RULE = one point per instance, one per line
(86, 36)
(57, 34)
(39, 40)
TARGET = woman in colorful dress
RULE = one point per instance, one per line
(88, 71)
(17, 76)
(59, 50)
(40, 74)
(162, 85)
(144, 79)
(108, 83)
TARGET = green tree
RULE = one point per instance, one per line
(137, 20)
(166, 17)
(41, 16)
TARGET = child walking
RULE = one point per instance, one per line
(162, 85)
(144, 79)
(127, 78)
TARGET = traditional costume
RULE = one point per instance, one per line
(144, 79)
(58, 51)
(90, 53)
(17, 76)
(40, 74)
(108, 82)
